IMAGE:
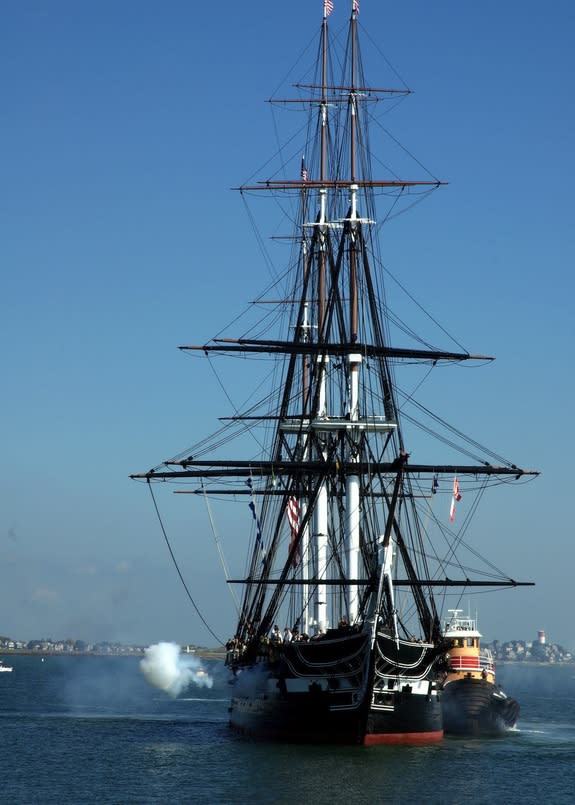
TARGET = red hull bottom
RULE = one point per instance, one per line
(395, 739)
(404, 738)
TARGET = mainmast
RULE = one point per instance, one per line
(321, 512)
(354, 358)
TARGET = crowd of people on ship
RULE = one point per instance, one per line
(236, 648)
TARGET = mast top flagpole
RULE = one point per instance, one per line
(328, 7)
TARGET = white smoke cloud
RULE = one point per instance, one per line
(166, 668)
(251, 682)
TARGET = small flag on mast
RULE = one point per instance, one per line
(355, 6)
(303, 170)
(327, 8)
(455, 499)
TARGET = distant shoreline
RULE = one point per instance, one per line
(203, 653)
(535, 664)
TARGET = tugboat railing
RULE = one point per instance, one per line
(472, 663)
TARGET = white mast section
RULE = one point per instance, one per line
(306, 558)
(305, 574)
(386, 580)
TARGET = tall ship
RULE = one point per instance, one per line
(338, 636)
(472, 702)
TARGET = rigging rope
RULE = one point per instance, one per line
(195, 606)
(219, 548)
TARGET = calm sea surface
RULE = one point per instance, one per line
(91, 730)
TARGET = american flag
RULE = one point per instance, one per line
(303, 170)
(355, 6)
(293, 517)
(327, 8)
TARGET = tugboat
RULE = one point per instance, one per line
(471, 701)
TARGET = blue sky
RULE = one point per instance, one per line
(124, 126)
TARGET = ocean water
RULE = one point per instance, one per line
(92, 730)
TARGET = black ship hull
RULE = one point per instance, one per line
(337, 691)
(477, 707)
(414, 719)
